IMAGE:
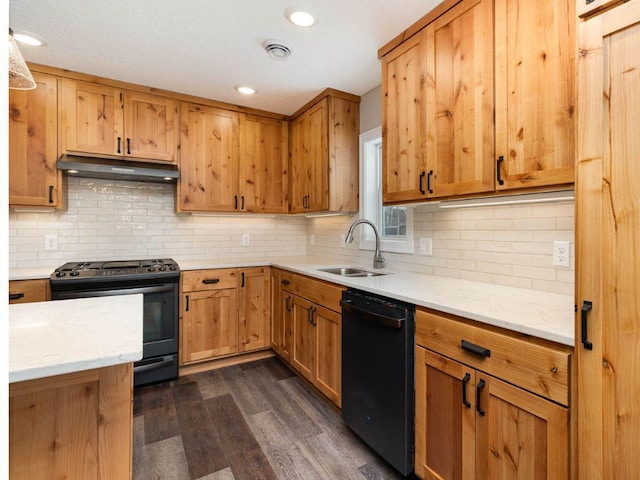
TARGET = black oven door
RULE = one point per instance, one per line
(160, 313)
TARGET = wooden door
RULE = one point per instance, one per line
(343, 130)
(518, 434)
(607, 243)
(535, 93)
(445, 418)
(150, 127)
(315, 138)
(404, 114)
(254, 330)
(328, 356)
(298, 179)
(209, 324)
(92, 119)
(33, 144)
(263, 164)
(460, 99)
(303, 340)
(209, 159)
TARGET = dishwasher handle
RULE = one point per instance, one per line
(372, 317)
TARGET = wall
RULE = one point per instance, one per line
(109, 220)
(371, 109)
(505, 245)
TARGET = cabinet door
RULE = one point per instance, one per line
(286, 307)
(445, 418)
(315, 138)
(25, 291)
(150, 127)
(253, 309)
(404, 113)
(263, 164)
(209, 159)
(33, 144)
(303, 344)
(535, 93)
(518, 434)
(92, 118)
(210, 324)
(608, 244)
(298, 179)
(328, 356)
(460, 101)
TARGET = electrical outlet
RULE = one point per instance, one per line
(312, 239)
(561, 254)
(51, 242)
(426, 246)
(246, 239)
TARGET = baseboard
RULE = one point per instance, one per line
(225, 362)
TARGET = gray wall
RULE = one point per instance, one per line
(371, 109)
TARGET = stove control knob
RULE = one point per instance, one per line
(152, 269)
(74, 273)
(163, 268)
(173, 267)
(60, 273)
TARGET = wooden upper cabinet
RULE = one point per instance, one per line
(150, 126)
(209, 159)
(459, 88)
(33, 144)
(324, 155)
(264, 158)
(92, 118)
(404, 115)
(107, 121)
(535, 93)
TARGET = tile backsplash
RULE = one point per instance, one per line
(506, 245)
(108, 219)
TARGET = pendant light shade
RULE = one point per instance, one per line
(20, 77)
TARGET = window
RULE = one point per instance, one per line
(395, 224)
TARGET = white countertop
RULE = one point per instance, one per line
(65, 336)
(544, 315)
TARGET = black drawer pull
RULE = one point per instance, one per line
(479, 388)
(475, 349)
(465, 380)
(209, 281)
(586, 307)
(285, 282)
(16, 296)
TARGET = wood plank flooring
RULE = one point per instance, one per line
(246, 422)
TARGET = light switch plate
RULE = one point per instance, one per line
(246, 239)
(426, 246)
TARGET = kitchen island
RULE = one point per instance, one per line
(71, 387)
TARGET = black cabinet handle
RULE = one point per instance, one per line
(16, 296)
(420, 182)
(186, 308)
(285, 282)
(586, 306)
(128, 146)
(309, 313)
(465, 380)
(475, 349)
(242, 277)
(242, 202)
(429, 175)
(119, 140)
(235, 202)
(209, 281)
(479, 388)
(287, 303)
(313, 316)
(50, 193)
(498, 173)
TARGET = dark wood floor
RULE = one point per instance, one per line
(246, 422)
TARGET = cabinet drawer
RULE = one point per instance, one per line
(218, 279)
(532, 364)
(325, 294)
(26, 291)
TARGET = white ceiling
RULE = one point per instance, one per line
(205, 47)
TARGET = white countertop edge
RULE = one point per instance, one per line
(73, 367)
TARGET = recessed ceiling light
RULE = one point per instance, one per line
(299, 17)
(245, 89)
(28, 38)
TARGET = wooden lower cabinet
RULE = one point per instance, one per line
(253, 309)
(303, 354)
(281, 313)
(328, 352)
(26, 291)
(75, 426)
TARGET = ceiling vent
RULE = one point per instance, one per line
(276, 49)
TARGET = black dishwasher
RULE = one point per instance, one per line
(378, 374)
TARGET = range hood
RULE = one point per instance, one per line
(80, 166)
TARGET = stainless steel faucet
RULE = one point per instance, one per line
(378, 260)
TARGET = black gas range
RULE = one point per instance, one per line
(157, 280)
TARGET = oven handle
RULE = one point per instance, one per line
(164, 361)
(114, 291)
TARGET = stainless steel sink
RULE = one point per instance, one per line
(350, 272)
